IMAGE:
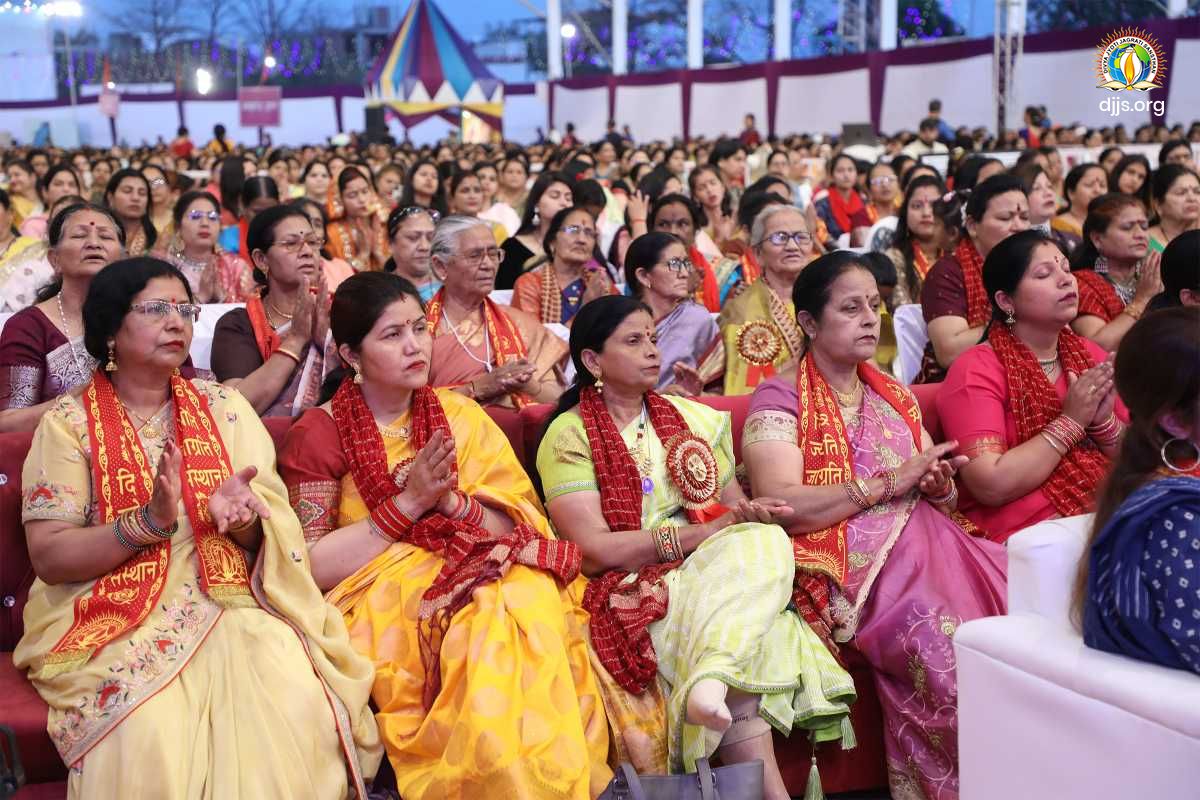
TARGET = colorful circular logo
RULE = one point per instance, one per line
(1130, 59)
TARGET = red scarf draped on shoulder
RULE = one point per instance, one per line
(979, 308)
(1097, 297)
(709, 294)
(1033, 403)
(265, 337)
(621, 613)
(473, 555)
(124, 481)
(501, 331)
(844, 211)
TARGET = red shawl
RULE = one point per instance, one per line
(709, 294)
(844, 211)
(1033, 403)
(621, 613)
(979, 308)
(1097, 297)
(474, 556)
(265, 337)
(501, 331)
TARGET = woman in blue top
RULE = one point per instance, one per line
(1139, 585)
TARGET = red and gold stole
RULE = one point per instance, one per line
(979, 308)
(822, 438)
(265, 337)
(124, 480)
(751, 271)
(622, 612)
(473, 556)
(709, 294)
(1097, 297)
(501, 331)
(1032, 401)
(921, 264)
(844, 210)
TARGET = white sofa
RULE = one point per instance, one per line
(1043, 716)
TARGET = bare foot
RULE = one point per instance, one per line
(640, 749)
(706, 705)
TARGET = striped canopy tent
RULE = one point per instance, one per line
(428, 69)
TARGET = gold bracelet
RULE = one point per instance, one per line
(289, 354)
(1136, 314)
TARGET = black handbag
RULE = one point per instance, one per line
(742, 781)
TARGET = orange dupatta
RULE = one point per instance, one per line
(501, 332)
(265, 337)
(123, 598)
(709, 294)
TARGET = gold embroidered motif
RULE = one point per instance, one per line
(769, 426)
(570, 446)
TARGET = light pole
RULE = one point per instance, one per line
(568, 32)
(67, 10)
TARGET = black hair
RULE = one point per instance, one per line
(1076, 175)
(881, 267)
(643, 253)
(357, 305)
(589, 192)
(1169, 147)
(592, 327)
(307, 202)
(230, 178)
(1007, 264)
(261, 234)
(6, 202)
(725, 148)
(54, 235)
(556, 224)
(1114, 177)
(110, 293)
(902, 239)
(694, 177)
(457, 177)
(754, 202)
(1100, 214)
(23, 165)
(967, 173)
(62, 166)
(308, 168)
(408, 197)
(699, 218)
(1180, 269)
(766, 182)
(147, 224)
(277, 155)
(654, 183)
(256, 187)
(814, 286)
(983, 194)
(186, 199)
(543, 182)
(1163, 179)
(349, 173)
(1106, 152)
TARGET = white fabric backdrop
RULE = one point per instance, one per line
(652, 112)
(587, 108)
(808, 102)
(144, 122)
(201, 115)
(718, 108)
(964, 87)
(1183, 105)
(524, 114)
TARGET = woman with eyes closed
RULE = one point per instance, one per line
(427, 535)
(214, 275)
(1033, 406)
(274, 349)
(174, 617)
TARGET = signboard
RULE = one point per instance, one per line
(110, 103)
(259, 106)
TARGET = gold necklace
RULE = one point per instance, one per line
(279, 313)
(398, 432)
(145, 424)
(852, 398)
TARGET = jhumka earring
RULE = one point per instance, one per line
(357, 375)
(111, 366)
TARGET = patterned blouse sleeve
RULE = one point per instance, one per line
(312, 466)
(1172, 577)
(564, 459)
(772, 415)
(56, 483)
(973, 403)
(22, 362)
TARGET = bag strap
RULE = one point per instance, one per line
(708, 781)
(632, 781)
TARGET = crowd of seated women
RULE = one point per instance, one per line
(394, 583)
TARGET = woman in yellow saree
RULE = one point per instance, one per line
(174, 628)
(428, 536)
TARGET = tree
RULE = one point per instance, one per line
(925, 19)
(155, 21)
(268, 20)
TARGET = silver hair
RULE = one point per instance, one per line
(447, 233)
(759, 227)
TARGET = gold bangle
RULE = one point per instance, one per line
(289, 354)
(1135, 313)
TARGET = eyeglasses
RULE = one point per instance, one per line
(579, 230)
(160, 308)
(197, 215)
(158, 182)
(883, 180)
(680, 266)
(293, 244)
(781, 238)
(473, 258)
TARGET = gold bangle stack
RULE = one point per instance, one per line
(1107, 433)
(859, 493)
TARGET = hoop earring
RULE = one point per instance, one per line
(111, 366)
(1167, 461)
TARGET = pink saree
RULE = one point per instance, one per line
(914, 577)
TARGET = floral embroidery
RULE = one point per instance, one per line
(315, 503)
(47, 500)
(152, 657)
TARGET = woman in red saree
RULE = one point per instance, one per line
(358, 233)
(1033, 407)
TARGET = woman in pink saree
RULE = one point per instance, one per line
(884, 562)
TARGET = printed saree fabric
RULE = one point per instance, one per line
(189, 650)
(518, 713)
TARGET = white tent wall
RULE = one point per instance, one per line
(823, 103)
(586, 108)
(964, 86)
(651, 112)
(718, 108)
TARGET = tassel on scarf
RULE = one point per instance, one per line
(813, 790)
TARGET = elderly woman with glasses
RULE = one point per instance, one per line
(555, 291)
(410, 233)
(174, 616)
(759, 333)
(659, 272)
(214, 275)
(274, 349)
(494, 354)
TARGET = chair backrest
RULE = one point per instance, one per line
(926, 394)
(1043, 561)
(911, 338)
(16, 573)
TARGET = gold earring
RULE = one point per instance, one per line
(1011, 320)
(599, 382)
(111, 366)
(358, 378)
